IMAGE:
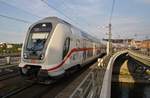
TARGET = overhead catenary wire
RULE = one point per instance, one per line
(19, 9)
(65, 5)
(16, 19)
(85, 22)
(60, 12)
(109, 48)
(57, 10)
(112, 11)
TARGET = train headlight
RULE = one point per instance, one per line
(25, 55)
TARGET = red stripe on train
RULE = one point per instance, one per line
(67, 57)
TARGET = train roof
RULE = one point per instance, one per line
(53, 19)
(82, 33)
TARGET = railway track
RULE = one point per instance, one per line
(7, 73)
(14, 90)
(34, 90)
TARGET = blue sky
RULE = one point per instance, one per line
(130, 17)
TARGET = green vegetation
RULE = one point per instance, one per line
(11, 48)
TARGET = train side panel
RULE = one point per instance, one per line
(55, 51)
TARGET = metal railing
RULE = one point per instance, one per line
(85, 87)
(140, 57)
(3, 61)
(97, 84)
(10, 61)
(91, 85)
(143, 52)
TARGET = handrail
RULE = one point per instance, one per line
(9, 60)
(81, 92)
(142, 52)
(90, 86)
(97, 82)
(141, 58)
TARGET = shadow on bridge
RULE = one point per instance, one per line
(117, 66)
(128, 68)
(127, 89)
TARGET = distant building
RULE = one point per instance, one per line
(131, 43)
(121, 42)
(146, 44)
(9, 45)
(136, 44)
(2, 44)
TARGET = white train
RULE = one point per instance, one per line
(53, 46)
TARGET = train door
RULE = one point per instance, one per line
(84, 52)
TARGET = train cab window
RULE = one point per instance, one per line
(38, 36)
(66, 46)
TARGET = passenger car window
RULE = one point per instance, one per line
(66, 47)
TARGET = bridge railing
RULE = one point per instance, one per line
(145, 60)
(97, 84)
(3, 61)
(143, 52)
(85, 87)
(3, 55)
(91, 85)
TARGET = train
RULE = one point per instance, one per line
(53, 46)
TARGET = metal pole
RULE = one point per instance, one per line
(109, 45)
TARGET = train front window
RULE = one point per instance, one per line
(38, 36)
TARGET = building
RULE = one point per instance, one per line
(136, 44)
(121, 42)
(2, 45)
(6, 45)
(9, 45)
(145, 44)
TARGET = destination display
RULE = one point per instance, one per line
(44, 27)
